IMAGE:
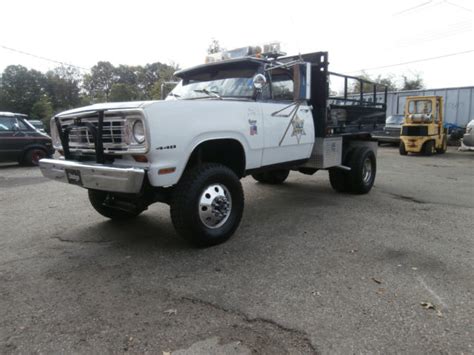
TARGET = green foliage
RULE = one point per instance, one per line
(126, 83)
(123, 92)
(43, 110)
(62, 86)
(99, 82)
(156, 91)
(389, 81)
(414, 83)
(41, 95)
(20, 89)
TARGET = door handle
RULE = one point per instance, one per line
(304, 109)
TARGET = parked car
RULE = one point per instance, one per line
(391, 131)
(21, 142)
(39, 125)
(468, 138)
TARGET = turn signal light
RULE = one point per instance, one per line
(166, 171)
(140, 158)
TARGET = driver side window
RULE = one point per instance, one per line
(12, 124)
(282, 87)
(7, 123)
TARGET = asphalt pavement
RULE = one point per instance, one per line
(308, 271)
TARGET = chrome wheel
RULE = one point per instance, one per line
(367, 170)
(215, 206)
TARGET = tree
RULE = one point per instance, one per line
(125, 74)
(123, 92)
(214, 47)
(43, 110)
(61, 89)
(99, 82)
(62, 86)
(20, 88)
(387, 81)
(152, 76)
(414, 83)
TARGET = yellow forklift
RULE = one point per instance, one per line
(422, 130)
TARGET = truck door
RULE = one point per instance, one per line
(288, 137)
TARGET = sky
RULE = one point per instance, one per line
(364, 34)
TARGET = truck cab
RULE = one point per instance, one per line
(422, 130)
(250, 112)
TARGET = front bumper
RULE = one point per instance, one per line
(94, 176)
(414, 144)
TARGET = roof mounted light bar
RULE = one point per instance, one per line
(270, 50)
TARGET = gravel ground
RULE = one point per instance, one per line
(308, 271)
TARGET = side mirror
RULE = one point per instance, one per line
(259, 81)
(302, 82)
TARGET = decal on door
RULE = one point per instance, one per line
(252, 116)
(298, 128)
(253, 127)
(295, 121)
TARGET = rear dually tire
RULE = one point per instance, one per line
(274, 177)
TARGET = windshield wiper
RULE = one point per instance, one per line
(209, 93)
(173, 94)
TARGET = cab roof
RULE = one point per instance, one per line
(238, 63)
(9, 114)
(13, 114)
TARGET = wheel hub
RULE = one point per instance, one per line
(367, 170)
(215, 206)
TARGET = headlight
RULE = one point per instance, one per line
(138, 131)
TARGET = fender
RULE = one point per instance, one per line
(215, 136)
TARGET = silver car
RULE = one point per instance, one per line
(468, 138)
(391, 131)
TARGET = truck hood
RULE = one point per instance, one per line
(174, 107)
(109, 106)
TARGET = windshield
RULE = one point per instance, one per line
(420, 106)
(223, 84)
(395, 120)
(36, 124)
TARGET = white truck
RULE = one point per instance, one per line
(260, 114)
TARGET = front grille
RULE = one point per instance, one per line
(393, 132)
(77, 131)
(113, 135)
(414, 130)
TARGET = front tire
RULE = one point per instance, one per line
(402, 149)
(428, 148)
(33, 156)
(274, 177)
(444, 146)
(99, 199)
(207, 204)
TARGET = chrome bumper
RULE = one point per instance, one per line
(94, 176)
